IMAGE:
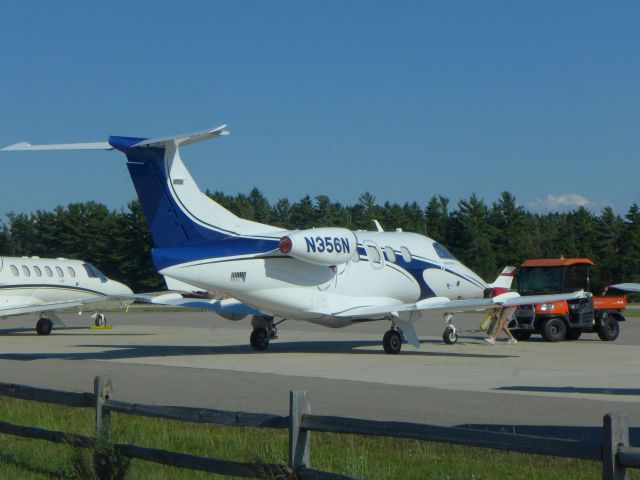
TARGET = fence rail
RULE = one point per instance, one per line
(614, 451)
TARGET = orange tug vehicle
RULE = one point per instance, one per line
(567, 319)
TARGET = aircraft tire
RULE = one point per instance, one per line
(44, 326)
(449, 336)
(259, 339)
(100, 320)
(392, 342)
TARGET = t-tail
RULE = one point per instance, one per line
(177, 212)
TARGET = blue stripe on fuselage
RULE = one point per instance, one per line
(164, 257)
(415, 268)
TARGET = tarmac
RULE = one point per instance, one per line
(201, 360)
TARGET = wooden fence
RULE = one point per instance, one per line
(614, 451)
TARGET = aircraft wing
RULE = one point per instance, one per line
(628, 287)
(46, 307)
(451, 306)
(228, 306)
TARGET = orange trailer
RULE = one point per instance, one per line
(565, 320)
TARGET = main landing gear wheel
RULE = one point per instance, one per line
(264, 330)
(259, 339)
(100, 321)
(450, 336)
(392, 342)
(44, 326)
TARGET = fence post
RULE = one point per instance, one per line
(615, 434)
(298, 437)
(103, 389)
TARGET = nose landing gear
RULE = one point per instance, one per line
(392, 341)
(44, 325)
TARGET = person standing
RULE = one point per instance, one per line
(506, 314)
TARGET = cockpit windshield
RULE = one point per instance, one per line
(93, 272)
(442, 251)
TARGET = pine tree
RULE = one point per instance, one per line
(631, 242)
(472, 234)
(437, 218)
(515, 231)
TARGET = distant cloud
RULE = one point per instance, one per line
(562, 203)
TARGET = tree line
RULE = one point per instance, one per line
(484, 237)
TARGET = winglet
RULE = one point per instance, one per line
(184, 139)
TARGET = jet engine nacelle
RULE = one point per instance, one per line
(321, 246)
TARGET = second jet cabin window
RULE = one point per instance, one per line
(27, 272)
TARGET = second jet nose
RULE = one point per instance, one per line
(118, 288)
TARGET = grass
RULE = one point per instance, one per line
(357, 456)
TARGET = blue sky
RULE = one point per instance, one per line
(402, 99)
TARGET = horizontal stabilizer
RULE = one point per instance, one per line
(178, 140)
(26, 146)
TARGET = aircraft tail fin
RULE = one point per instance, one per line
(176, 210)
(505, 279)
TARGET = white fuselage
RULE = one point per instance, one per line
(29, 282)
(390, 268)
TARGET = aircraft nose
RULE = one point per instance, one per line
(121, 289)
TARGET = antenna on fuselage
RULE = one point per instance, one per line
(378, 226)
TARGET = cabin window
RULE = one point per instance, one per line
(59, 272)
(14, 270)
(48, 271)
(38, 271)
(72, 272)
(391, 255)
(375, 255)
(26, 271)
(406, 254)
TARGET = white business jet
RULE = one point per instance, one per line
(44, 285)
(330, 276)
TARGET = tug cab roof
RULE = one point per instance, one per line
(556, 262)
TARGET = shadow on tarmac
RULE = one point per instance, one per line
(591, 390)
(120, 352)
(69, 331)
